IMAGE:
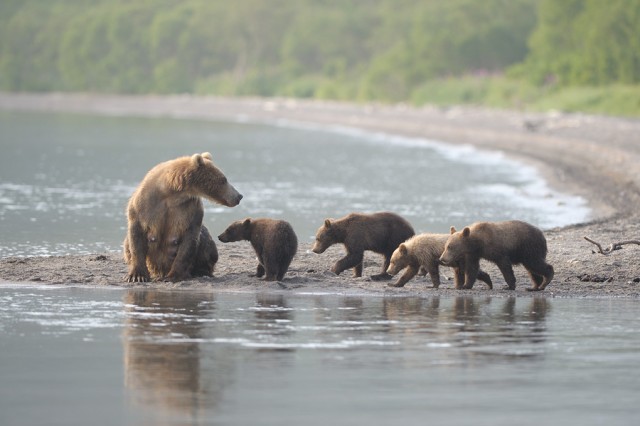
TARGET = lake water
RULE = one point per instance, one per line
(115, 357)
(65, 179)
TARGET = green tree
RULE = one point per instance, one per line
(580, 42)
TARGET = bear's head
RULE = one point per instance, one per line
(237, 231)
(399, 260)
(456, 248)
(326, 236)
(202, 178)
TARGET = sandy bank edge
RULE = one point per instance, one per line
(595, 157)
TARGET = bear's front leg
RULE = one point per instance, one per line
(351, 260)
(507, 272)
(471, 268)
(135, 254)
(458, 277)
(409, 273)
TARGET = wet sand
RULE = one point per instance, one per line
(592, 156)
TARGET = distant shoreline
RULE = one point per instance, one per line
(571, 150)
(595, 157)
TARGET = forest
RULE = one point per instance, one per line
(538, 54)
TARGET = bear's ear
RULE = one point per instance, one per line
(466, 231)
(403, 249)
(197, 159)
(327, 223)
(452, 229)
(247, 222)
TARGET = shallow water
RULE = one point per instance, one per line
(89, 356)
(65, 179)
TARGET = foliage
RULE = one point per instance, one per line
(498, 91)
(388, 50)
(585, 42)
(378, 48)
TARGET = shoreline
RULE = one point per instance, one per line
(590, 156)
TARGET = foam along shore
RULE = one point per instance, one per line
(589, 156)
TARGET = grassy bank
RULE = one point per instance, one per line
(503, 92)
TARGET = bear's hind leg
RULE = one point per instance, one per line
(270, 276)
(536, 281)
(548, 276)
(283, 267)
(484, 277)
(507, 272)
(541, 274)
(270, 264)
(351, 260)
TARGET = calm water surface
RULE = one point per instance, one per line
(65, 179)
(103, 357)
(111, 357)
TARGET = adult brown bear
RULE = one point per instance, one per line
(503, 243)
(379, 232)
(165, 233)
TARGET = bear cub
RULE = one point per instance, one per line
(378, 232)
(503, 243)
(422, 252)
(273, 240)
(165, 237)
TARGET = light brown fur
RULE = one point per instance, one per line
(165, 237)
(423, 251)
(503, 243)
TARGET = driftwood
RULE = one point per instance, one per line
(612, 246)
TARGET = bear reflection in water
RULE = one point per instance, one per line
(162, 357)
(184, 350)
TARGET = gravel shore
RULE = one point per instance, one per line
(591, 156)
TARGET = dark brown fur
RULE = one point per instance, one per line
(274, 241)
(378, 232)
(503, 243)
(165, 237)
(423, 251)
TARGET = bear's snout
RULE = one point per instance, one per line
(222, 237)
(443, 261)
(234, 200)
